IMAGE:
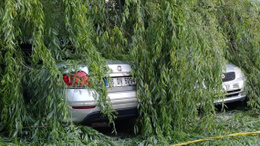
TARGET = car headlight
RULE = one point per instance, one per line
(239, 73)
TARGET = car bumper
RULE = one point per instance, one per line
(121, 114)
(235, 91)
(125, 103)
(239, 97)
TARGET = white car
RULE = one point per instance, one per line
(122, 92)
(234, 84)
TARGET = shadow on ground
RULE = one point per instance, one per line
(240, 105)
(124, 128)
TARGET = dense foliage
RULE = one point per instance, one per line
(175, 47)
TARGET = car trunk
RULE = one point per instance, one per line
(121, 85)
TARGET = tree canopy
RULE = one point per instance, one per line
(175, 47)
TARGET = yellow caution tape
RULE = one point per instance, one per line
(217, 137)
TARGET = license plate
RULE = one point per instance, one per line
(230, 86)
(121, 81)
(226, 87)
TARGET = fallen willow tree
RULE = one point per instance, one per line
(175, 48)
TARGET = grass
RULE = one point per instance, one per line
(237, 118)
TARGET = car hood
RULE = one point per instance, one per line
(229, 67)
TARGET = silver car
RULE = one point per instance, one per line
(122, 92)
(234, 84)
